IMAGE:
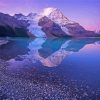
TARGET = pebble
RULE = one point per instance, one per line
(17, 87)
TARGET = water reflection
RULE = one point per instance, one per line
(63, 67)
(13, 47)
(51, 52)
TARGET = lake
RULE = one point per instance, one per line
(50, 69)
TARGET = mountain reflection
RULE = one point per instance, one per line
(51, 52)
(70, 65)
(48, 52)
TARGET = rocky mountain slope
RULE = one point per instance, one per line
(50, 23)
(10, 26)
(68, 27)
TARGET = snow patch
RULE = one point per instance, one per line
(2, 42)
(65, 30)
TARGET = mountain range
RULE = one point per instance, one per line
(49, 23)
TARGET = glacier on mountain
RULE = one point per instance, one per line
(53, 23)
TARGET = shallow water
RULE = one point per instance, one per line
(70, 64)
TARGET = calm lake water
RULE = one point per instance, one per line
(70, 67)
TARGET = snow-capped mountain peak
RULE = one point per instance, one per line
(97, 31)
(32, 15)
(51, 22)
(48, 11)
(56, 15)
(19, 16)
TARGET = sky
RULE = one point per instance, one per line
(85, 12)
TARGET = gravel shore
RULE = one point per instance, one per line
(39, 86)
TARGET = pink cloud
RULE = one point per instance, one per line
(92, 28)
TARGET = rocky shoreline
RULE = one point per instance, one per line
(42, 87)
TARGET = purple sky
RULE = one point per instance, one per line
(86, 12)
